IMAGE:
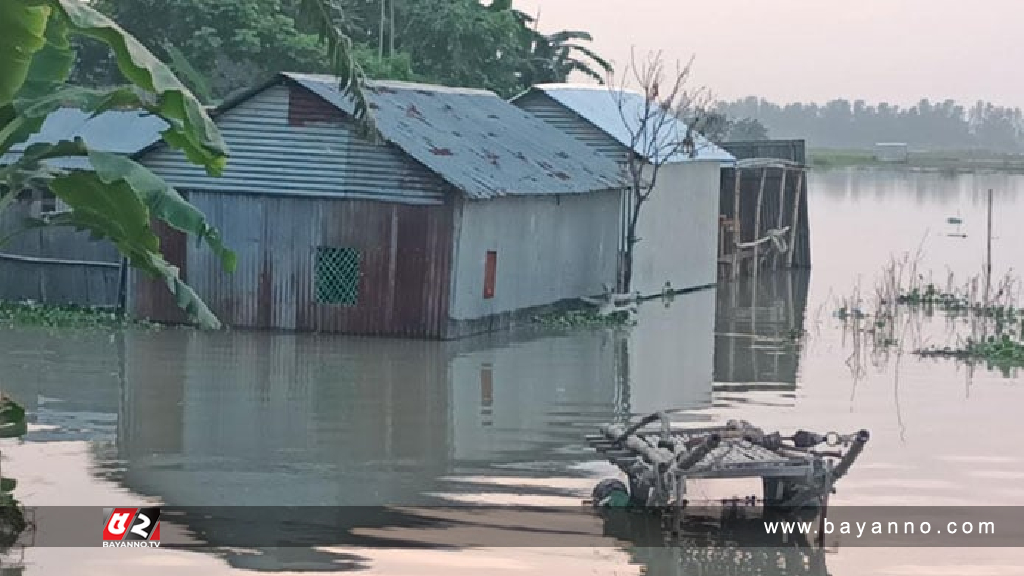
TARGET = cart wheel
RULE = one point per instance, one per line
(610, 488)
(777, 491)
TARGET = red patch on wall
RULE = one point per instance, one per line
(490, 273)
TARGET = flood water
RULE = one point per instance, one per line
(248, 419)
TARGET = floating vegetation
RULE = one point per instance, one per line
(30, 313)
(993, 320)
(1003, 351)
(585, 318)
(844, 313)
(932, 296)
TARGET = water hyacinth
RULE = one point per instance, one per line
(586, 318)
(30, 313)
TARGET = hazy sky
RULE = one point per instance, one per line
(814, 50)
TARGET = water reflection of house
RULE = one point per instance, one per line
(228, 417)
(252, 418)
(233, 417)
(546, 392)
(68, 385)
(671, 352)
(757, 326)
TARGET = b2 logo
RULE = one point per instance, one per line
(131, 524)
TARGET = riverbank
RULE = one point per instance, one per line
(947, 160)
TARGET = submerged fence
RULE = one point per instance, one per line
(784, 201)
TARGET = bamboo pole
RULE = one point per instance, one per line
(391, 26)
(122, 288)
(790, 301)
(651, 454)
(383, 21)
(988, 250)
(737, 235)
(796, 216)
(753, 325)
(782, 210)
(757, 216)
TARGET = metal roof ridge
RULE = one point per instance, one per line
(395, 84)
(590, 87)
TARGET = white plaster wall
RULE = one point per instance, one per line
(549, 248)
(678, 228)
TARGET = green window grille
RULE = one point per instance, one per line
(337, 276)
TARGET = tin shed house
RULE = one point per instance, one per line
(60, 265)
(466, 213)
(678, 225)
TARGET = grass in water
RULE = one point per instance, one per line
(994, 322)
(34, 314)
(584, 318)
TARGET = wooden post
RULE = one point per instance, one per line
(722, 229)
(737, 229)
(122, 288)
(383, 21)
(790, 302)
(988, 250)
(753, 329)
(757, 218)
(796, 216)
(782, 210)
(391, 27)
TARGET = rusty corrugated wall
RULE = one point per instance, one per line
(149, 297)
(405, 262)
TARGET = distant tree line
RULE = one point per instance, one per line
(928, 125)
(225, 46)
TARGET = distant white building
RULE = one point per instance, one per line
(891, 152)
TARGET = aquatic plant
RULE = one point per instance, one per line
(30, 313)
(903, 298)
(585, 318)
(1002, 351)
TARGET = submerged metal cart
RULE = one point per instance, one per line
(657, 461)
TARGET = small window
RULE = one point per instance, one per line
(337, 276)
(490, 273)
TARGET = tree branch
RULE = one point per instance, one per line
(653, 119)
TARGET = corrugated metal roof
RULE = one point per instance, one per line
(478, 142)
(118, 131)
(599, 106)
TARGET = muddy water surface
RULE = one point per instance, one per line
(250, 419)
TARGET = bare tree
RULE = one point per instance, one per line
(662, 121)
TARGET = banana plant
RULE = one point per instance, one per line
(12, 517)
(119, 199)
